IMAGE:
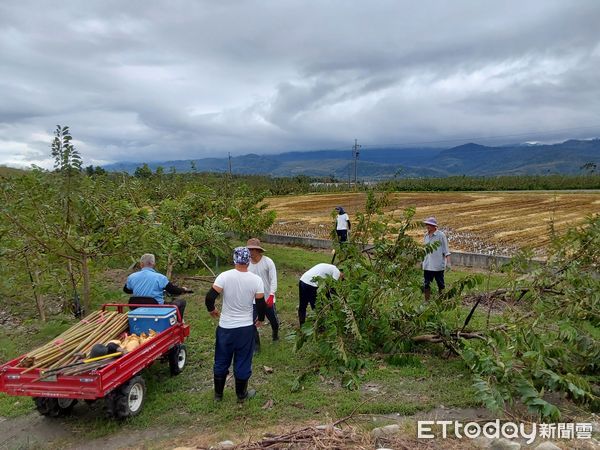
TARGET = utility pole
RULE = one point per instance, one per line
(229, 155)
(355, 153)
(349, 177)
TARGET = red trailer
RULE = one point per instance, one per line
(119, 383)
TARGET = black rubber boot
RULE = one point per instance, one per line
(275, 334)
(427, 293)
(256, 342)
(242, 391)
(219, 387)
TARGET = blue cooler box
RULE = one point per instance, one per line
(142, 320)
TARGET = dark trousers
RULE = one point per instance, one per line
(307, 295)
(430, 275)
(180, 303)
(342, 235)
(235, 344)
(271, 314)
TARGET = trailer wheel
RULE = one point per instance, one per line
(177, 359)
(127, 400)
(54, 407)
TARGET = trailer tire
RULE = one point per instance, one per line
(54, 407)
(177, 359)
(127, 400)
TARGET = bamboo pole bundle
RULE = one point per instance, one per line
(56, 347)
(109, 329)
(86, 367)
(90, 337)
(74, 343)
(62, 349)
(109, 332)
(80, 327)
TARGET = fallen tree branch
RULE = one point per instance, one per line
(202, 278)
(349, 416)
(502, 292)
(436, 338)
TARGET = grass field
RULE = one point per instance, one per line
(186, 400)
(483, 222)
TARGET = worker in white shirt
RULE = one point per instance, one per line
(438, 260)
(342, 224)
(264, 267)
(243, 296)
(308, 284)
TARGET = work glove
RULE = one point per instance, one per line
(270, 300)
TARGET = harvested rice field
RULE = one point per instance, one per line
(496, 223)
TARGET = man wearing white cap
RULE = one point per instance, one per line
(437, 260)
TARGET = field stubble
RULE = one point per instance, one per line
(497, 223)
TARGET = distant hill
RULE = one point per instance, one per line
(473, 159)
(380, 163)
(10, 171)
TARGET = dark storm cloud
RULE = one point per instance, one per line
(144, 80)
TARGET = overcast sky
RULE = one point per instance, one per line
(157, 80)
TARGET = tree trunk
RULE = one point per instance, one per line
(85, 272)
(75, 306)
(34, 276)
(39, 299)
(170, 264)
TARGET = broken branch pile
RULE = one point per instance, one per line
(320, 437)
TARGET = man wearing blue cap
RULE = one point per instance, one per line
(236, 330)
(437, 260)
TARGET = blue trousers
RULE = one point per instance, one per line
(236, 344)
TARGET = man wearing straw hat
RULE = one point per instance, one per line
(264, 267)
(437, 260)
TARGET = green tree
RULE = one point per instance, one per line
(245, 213)
(102, 222)
(91, 171)
(548, 342)
(187, 231)
(143, 172)
(66, 157)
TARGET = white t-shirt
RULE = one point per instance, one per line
(342, 221)
(320, 271)
(265, 269)
(239, 292)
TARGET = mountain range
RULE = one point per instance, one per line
(379, 163)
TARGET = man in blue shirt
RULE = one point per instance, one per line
(147, 285)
